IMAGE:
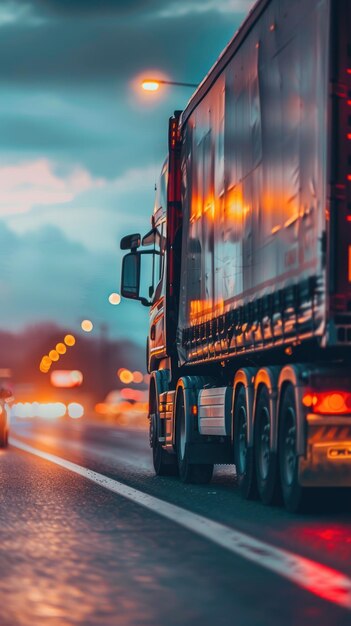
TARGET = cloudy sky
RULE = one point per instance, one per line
(81, 147)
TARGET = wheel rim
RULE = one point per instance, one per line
(242, 441)
(264, 443)
(289, 447)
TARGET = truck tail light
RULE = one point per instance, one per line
(328, 402)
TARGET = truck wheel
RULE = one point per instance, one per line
(293, 494)
(188, 472)
(265, 459)
(165, 464)
(243, 455)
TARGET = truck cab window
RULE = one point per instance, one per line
(160, 248)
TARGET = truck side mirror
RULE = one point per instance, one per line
(130, 283)
(130, 242)
(131, 270)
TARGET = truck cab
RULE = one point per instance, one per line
(157, 264)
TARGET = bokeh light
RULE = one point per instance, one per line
(54, 356)
(69, 340)
(61, 348)
(125, 376)
(87, 326)
(66, 379)
(75, 410)
(114, 298)
(138, 377)
(44, 410)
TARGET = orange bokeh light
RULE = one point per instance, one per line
(125, 376)
(54, 356)
(69, 340)
(61, 348)
(138, 377)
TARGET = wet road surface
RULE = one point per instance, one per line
(72, 552)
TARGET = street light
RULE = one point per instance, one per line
(153, 84)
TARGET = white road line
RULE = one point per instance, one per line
(312, 576)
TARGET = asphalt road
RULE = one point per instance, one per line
(74, 552)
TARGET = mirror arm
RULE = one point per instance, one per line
(145, 302)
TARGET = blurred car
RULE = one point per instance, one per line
(124, 405)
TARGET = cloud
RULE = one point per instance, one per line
(16, 10)
(115, 48)
(86, 8)
(11, 12)
(99, 215)
(30, 184)
(141, 178)
(183, 8)
(46, 277)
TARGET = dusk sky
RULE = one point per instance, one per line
(81, 147)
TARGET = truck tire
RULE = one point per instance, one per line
(243, 454)
(265, 460)
(294, 496)
(165, 464)
(199, 474)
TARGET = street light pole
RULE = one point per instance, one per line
(152, 84)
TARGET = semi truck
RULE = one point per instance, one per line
(247, 266)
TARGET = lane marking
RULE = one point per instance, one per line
(312, 576)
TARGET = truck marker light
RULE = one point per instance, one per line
(349, 135)
(328, 402)
(194, 410)
(309, 400)
(348, 219)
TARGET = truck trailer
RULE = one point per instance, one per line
(249, 252)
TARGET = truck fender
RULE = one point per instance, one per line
(160, 382)
(268, 377)
(245, 378)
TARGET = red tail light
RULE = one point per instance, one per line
(328, 402)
